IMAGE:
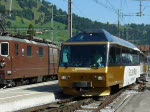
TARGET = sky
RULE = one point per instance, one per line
(107, 10)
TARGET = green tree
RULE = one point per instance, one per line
(22, 21)
(31, 30)
(9, 23)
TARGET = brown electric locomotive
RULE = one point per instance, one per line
(24, 60)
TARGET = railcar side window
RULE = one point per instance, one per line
(130, 57)
(148, 60)
(126, 56)
(16, 49)
(41, 52)
(135, 58)
(114, 55)
(29, 50)
(4, 49)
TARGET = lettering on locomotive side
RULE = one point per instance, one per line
(78, 69)
(132, 71)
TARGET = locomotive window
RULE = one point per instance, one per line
(4, 49)
(41, 53)
(16, 49)
(55, 53)
(29, 50)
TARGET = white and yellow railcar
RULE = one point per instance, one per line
(93, 63)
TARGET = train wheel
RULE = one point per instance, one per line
(11, 83)
(19, 83)
(45, 78)
(55, 77)
(26, 82)
(2, 85)
(33, 80)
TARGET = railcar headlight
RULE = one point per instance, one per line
(65, 77)
(99, 78)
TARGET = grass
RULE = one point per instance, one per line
(60, 30)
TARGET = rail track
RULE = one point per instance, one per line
(91, 104)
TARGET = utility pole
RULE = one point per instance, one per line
(127, 35)
(69, 18)
(3, 16)
(140, 8)
(118, 23)
(10, 7)
(141, 12)
(52, 25)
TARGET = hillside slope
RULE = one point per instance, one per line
(35, 12)
(39, 14)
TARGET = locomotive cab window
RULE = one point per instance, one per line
(4, 48)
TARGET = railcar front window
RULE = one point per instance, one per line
(4, 49)
(83, 56)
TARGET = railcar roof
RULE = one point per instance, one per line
(100, 36)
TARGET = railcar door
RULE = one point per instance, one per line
(115, 69)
